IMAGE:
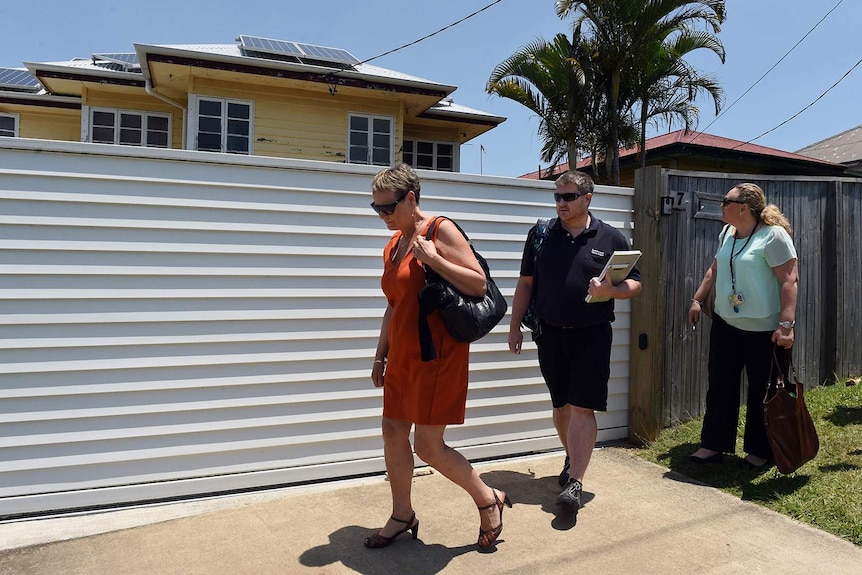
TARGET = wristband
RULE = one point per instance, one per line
(383, 361)
(698, 302)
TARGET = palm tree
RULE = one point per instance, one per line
(554, 80)
(669, 86)
(626, 32)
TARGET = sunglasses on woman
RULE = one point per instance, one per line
(725, 201)
(387, 209)
(567, 197)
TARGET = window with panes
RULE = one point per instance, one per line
(370, 140)
(130, 128)
(223, 125)
(8, 125)
(429, 155)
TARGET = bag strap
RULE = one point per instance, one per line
(430, 233)
(780, 380)
(426, 343)
(543, 228)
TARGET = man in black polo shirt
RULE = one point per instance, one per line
(573, 337)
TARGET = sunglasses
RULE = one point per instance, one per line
(387, 209)
(725, 201)
(567, 197)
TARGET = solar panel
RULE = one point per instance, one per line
(129, 59)
(18, 79)
(270, 46)
(328, 54)
(297, 50)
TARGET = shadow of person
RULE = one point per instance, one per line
(404, 555)
(528, 489)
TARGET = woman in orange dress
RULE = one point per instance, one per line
(430, 394)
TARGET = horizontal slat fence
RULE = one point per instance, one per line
(177, 323)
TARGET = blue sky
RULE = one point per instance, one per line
(756, 35)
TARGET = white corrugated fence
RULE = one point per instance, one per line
(177, 323)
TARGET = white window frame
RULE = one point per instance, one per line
(87, 125)
(192, 128)
(369, 149)
(435, 155)
(16, 120)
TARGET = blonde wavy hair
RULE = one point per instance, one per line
(767, 214)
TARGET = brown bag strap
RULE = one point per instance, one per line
(779, 379)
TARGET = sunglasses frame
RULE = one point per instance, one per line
(726, 201)
(571, 197)
(387, 209)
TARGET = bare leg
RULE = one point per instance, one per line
(455, 467)
(399, 466)
(581, 439)
(562, 416)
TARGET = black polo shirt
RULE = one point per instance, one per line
(564, 269)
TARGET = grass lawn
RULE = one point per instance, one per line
(825, 492)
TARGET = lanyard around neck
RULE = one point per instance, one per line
(733, 255)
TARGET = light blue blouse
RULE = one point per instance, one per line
(770, 246)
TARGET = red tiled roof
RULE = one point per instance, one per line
(700, 139)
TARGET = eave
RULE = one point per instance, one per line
(150, 55)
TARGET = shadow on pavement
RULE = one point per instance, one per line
(404, 555)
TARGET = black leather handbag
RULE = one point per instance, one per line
(467, 318)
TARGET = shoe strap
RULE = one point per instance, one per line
(495, 503)
(407, 522)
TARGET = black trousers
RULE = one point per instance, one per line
(731, 350)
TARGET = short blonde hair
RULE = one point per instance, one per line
(400, 178)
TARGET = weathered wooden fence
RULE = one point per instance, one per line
(677, 222)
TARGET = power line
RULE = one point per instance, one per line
(723, 112)
(841, 79)
(435, 33)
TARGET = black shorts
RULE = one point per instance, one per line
(576, 364)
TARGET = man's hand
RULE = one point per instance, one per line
(602, 288)
(516, 339)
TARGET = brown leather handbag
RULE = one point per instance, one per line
(789, 427)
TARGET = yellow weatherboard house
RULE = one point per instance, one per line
(257, 96)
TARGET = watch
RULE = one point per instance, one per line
(787, 324)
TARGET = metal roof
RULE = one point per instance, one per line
(843, 148)
(696, 140)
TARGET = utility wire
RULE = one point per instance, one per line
(847, 73)
(786, 54)
(435, 33)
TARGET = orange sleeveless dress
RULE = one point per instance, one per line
(426, 392)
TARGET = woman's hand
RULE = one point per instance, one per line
(783, 337)
(694, 312)
(424, 250)
(377, 371)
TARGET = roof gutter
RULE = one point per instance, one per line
(148, 86)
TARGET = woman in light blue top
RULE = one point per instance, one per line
(755, 276)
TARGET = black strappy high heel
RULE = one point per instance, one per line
(487, 537)
(378, 541)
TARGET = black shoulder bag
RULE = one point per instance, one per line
(467, 318)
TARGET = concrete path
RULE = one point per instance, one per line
(638, 518)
